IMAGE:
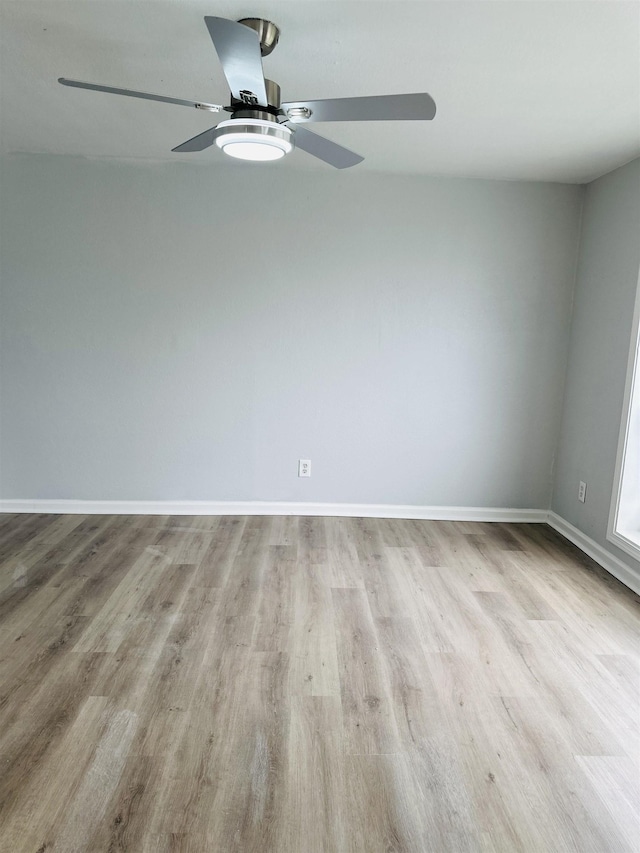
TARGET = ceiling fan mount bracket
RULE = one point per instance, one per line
(268, 33)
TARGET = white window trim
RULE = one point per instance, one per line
(626, 540)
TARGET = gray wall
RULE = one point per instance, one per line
(182, 332)
(606, 284)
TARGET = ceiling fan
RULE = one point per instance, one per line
(261, 127)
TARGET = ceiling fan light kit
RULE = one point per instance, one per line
(260, 127)
(254, 139)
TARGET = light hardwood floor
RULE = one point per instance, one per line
(309, 685)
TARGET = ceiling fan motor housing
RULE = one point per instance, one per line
(249, 101)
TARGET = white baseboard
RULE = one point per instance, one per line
(430, 513)
(625, 574)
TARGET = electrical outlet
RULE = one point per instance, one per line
(304, 467)
(582, 492)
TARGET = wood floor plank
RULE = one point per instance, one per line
(183, 545)
(244, 726)
(595, 719)
(341, 557)
(23, 530)
(316, 771)
(367, 709)
(276, 609)
(48, 569)
(27, 820)
(313, 667)
(313, 685)
(617, 783)
(388, 582)
(446, 809)
(217, 561)
(97, 786)
(312, 539)
(125, 825)
(17, 570)
(581, 822)
(109, 627)
(381, 802)
(418, 711)
(36, 717)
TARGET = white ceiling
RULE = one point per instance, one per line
(525, 90)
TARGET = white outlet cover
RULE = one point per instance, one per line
(304, 467)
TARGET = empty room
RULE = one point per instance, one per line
(319, 426)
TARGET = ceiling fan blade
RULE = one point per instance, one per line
(373, 108)
(238, 48)
(324, 149)
(199, 142)
(77, 84)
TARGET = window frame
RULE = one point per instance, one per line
(622, 538)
